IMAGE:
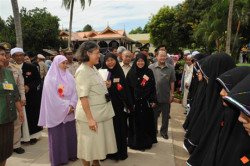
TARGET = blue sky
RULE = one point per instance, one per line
(118, 13)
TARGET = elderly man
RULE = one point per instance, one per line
(185, 54)
(126, 63)
(164, 74)
(164, 48)
(20, 85)
(42, 65)
(32, 86)
(71, 65)
(119, 52)
(187, 79)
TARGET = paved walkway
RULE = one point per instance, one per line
(161, 154)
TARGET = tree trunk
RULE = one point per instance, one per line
(237, 32)
(17, 20)
(70, 22)
(229, 26)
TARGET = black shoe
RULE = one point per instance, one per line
(33, 141)
(164, 136)
(169, 117)
(19, 150)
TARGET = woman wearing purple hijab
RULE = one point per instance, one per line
(59, 99)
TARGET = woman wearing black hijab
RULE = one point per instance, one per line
(141, 83)
(195, 119)
(195, 86)
(214, 66)
(228, 122)
(237, 151)
(120, 98)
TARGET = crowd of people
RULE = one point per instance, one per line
(218, 120)
(92, 118)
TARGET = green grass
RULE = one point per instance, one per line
(243, 64)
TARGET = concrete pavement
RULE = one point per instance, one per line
(161, 154)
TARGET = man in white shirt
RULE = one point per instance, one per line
(187, 79)
(126, 63)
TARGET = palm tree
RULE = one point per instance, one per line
(69, 4)
(17, 20)
(229, 26)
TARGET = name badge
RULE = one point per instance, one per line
(146, 77)
(167, 78)
(7, 86)
(116, 80)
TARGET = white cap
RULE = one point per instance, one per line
(195, 53)
(186, 52)
(40, 56)
(15, 50)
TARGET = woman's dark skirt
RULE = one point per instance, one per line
(62, 143)
(6, 140)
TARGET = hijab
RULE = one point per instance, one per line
(228, 80)
(213, 67)
(239, 96)
(119, 89)
(135, 78)
(59, 91)
(237, 148)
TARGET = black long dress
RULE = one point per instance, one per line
(194, 83)
(121, 101)
(33, 97)
(227, 81)
(142, 133)
(196, 98)
(214, 66)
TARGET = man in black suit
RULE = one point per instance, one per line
(32, 83)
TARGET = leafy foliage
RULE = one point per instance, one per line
(39, 27)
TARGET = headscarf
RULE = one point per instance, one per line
(239, 96)
(214, 66)
(135, 79)
(118, 90)
(117, 71)
(228, 81)
(232, 77)
(237, 151)
(55, 101)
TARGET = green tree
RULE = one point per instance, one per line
(136, 31)
(166, 28)
(40, 30)
(69, 4)
(87, 28)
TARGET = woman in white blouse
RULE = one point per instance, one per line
(94, 111)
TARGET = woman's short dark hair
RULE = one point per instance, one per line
(2, 48)
(85, 47)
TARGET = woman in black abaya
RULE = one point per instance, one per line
(237, 151)
(214, 66)
(227, 81)
(141, 83)
(195, 118)
(195, 99)
(120, 98)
